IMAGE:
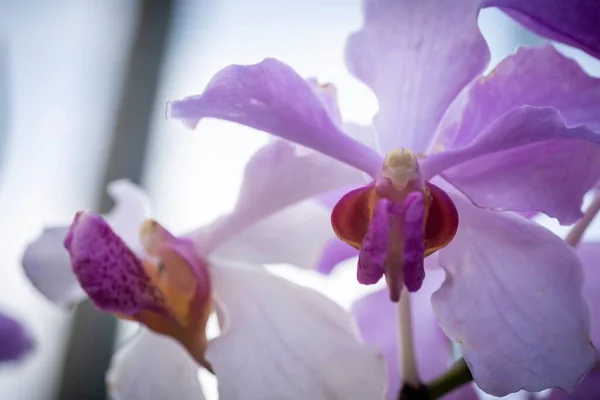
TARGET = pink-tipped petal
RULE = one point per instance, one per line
(292, 341)
(272, 97)
(512, 300)
(574, 22)
(416, 55)
(108, 271)
(527, 160)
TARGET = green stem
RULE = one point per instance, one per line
(455, 377)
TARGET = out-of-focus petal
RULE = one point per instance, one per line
(573, 22)
(527, 160)
(377, 319)
(292, 340)
(272, 97)
(15, 342)
(512, 301)
(412, 54)
(46, 261)
(589, 254)
(588, 389)
(132, 208)
(153, 367)
(295, 235)
(275, 178)
(537, 76)
(334, 252)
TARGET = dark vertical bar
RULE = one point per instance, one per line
(93, 333)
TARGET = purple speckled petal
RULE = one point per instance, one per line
(334, 252)
(512, 301)
(46, 261)
(527, 160)
(272, 97)
(412, 54)
(374, 250)
(277, 177)
(108, 271)
(574, 22)
(15, 342)
(377, 319)
(538, 76)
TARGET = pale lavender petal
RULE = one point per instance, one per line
(153, 367)
(538, 76)
(295, 235)
(416, 55)
(46, 261)
(377, 319)
(288, 339)
(574, 22)
(277, 177)
(589, 254)
(108, 271)
(327, 93)
(512, 301)
(334, 252)
(527, 160)
(272, 97)
(588, 389)
(15, 342)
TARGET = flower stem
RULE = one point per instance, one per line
(576, 233)
(455, 377)
(406, 352)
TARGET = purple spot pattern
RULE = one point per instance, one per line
(108, 271)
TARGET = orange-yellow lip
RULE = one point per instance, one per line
(352, 214)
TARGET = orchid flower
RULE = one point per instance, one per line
(15, 341)
(522, 138)
(277, 340)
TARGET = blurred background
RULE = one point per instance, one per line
(83, 88)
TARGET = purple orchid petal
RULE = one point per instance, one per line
(413, 231)
(287, 339)
(277, 177)
(272, 97)
(412, 55)
(589, 254)
(377, 319)
(574, 22)
(108, 271)
(539, 76)
(374, 250)
(512, 301)
(588, 389)
(334, 252)
(527, 160)
(394, 245)
(15, 342)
